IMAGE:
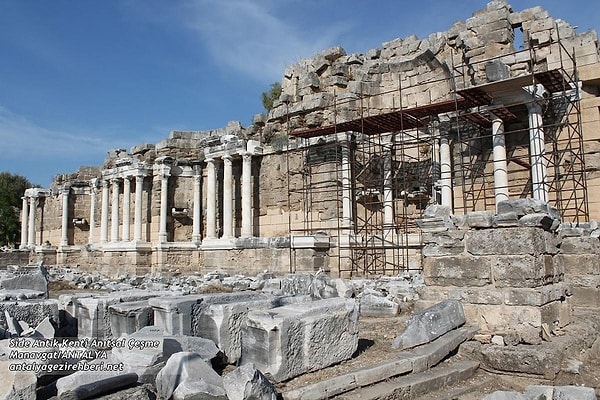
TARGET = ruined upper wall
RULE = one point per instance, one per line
(333, 86)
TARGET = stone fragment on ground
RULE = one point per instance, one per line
(140, 352)
(16, 385)
(205, 348)
(429, 324)
(248, 383)
(372, 305)
(186, 376)
(291, 340)
(87, 384)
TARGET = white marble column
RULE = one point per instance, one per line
(196, 236)
(446, 170)
(211, 199)
(388, 199)
(500, 161)
(114, 221)
(24, 221)
(227, 197)
(31, 230)
(246, 195)
(346, 188)
(92, 223)
(537, 152)
(126, 205)
(164, 188)
(137, 230)
(104, 213)
(64, 239)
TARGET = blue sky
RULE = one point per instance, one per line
(80, 77)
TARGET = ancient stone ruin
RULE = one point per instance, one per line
(434, 198)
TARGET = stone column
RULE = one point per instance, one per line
(227, 197)
(114, 221)
(445, 170)
(137, 230)
(537, 152)
(388, 199)
(92, 224)
(104, 213)
(126, 205)
(246, 195)
(24, 221)
(31, 231)
(346, 188)
(196, 236)
(500, 161)
(164, 188)
(64, 240)
(211, 199)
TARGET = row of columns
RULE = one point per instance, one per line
(500, 163)
(31, 199)
(211, 196)
(113, 184)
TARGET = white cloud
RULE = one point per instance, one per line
(246, 36)
(22, 138)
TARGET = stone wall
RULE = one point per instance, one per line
(506, 268)
(579, 258)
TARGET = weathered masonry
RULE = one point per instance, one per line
(504, 105)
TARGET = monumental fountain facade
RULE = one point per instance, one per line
(501, 106)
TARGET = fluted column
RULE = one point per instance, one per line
(211, 199)
(64, 240)
(104, 213)
(537, 153)
(126, 205)
(137, 230)
(246, 195)
(500, 161)
(196, 237)
(24, 221)
(164, 187)
(446, 170)
(114, 222)
(227, 197)
(31, 230)
(92, 224)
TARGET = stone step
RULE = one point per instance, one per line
(415, 385)
(412, 361)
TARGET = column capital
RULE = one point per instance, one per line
(115, 180)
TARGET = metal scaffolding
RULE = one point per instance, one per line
(365, 182)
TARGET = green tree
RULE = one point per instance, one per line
(12, 188)
(269, 97)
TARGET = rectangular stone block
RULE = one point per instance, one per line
(457, 271)
(174, 313)
(521, 270)
(483, 295)
(586, 297)
(506, 241)
(130, 317)
(220, 317)
(580, 245)
(291, 340)
(535, 296)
